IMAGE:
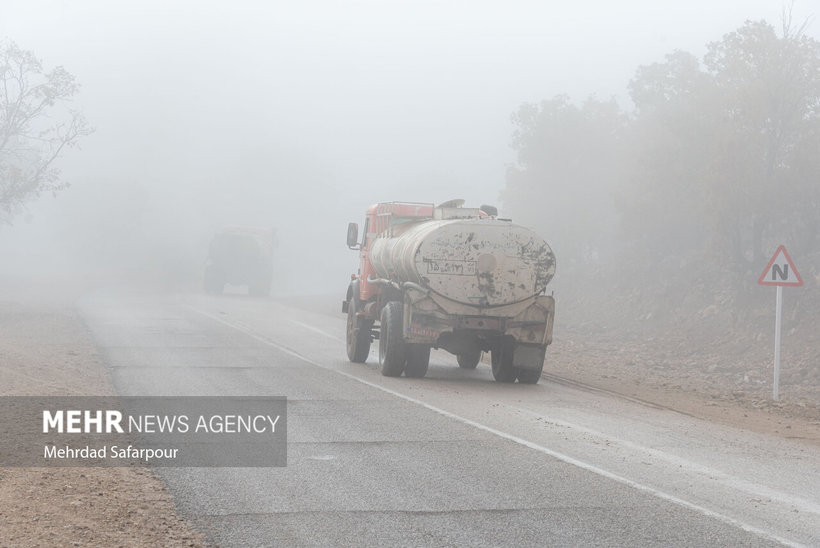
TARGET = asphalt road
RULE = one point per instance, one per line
(451, 459)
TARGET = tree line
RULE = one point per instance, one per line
(718, 159)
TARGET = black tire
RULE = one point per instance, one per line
(260, 284)
(531, 376)
(392, 351)
(469, 360)
(502, 364)
(358, 335)
(212, 280)
(261, 289)
(418, 360)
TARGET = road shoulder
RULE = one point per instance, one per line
(46, 350)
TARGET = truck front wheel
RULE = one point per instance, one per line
(502, 363)
(392, 351)
(358, 334)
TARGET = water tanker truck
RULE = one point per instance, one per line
(454, 278)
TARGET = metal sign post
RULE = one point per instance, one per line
(780, 272)
(778, 309)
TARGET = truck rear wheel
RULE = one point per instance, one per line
(418, 360)
(358, 335)
(392, 351)
(502, 363)
(260, 284)
(469, 360)
(532, 376)
(258, 290)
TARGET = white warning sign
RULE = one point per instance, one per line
(781, 270)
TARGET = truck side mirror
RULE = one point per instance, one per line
(352, 235)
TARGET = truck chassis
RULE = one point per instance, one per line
(409, 320)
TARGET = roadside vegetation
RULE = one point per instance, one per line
(663, 214)
(716, 160)
(37, 124)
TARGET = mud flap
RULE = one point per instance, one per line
(527, 356)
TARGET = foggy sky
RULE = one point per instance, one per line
(299, 115)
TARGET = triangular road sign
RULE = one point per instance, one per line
(781, 270)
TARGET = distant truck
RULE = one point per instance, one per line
(240, 256)
(449, 277)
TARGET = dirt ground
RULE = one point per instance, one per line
(45, 349)
(698, 340)
(705, 381)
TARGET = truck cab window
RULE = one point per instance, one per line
(364, 235)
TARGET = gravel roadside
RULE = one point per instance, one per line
(658, 372)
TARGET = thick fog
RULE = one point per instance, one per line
(298, 115)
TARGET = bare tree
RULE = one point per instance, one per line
(36, 126)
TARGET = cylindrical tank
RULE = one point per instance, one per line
(482, 262)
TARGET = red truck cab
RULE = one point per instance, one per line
(379, 218)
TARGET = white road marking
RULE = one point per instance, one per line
(521, 441)
(317, 330)
(733, 482)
